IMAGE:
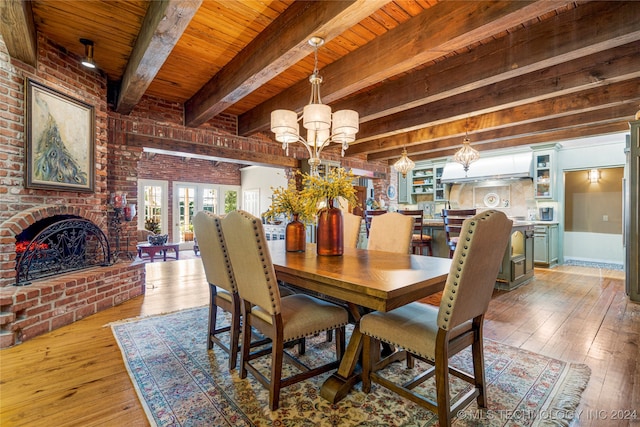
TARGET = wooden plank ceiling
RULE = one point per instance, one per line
(421, 73)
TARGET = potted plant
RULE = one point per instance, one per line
(188, 234)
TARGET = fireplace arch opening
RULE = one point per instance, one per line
(59, 244)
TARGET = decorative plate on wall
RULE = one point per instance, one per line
(491, 200)
(391, 192)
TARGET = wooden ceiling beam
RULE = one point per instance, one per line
(625, 92)
(553, 135)
(161, 29)
(279, 46)
(609, 114)
(611, 66)
(437, 31)
(18, 30)
(586, 30)
(216, 153)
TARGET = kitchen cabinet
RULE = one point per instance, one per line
(517, 262)
(545, 245)
(440, 193)
(631, 211)
(544, 173)
(422, 180)
(403, 189)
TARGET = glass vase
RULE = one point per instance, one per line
(329, 238)
(295, 235)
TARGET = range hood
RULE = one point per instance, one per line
(490, 168)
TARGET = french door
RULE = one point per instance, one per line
(190, 198)
(153, 203)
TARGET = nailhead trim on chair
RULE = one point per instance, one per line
(227, 261)
(261, 246)
(463, 255)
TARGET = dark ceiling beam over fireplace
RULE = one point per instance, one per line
(163, 26)
(18, 30)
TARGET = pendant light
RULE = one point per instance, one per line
(404, 165)
(466, 155)
(321, 124)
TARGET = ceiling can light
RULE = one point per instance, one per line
(404, 165)
(87, 61)
(322, 126)
(594, 176)
(466, 155)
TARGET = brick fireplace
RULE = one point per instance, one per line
(52, 302)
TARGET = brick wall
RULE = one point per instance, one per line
(52, 302)
(63, 73)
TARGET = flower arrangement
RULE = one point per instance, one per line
(316, 191)
(337, 183)
(290, 201)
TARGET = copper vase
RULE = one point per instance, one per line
(295, 236)
(329, 237)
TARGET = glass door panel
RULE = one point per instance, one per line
(186, 205)
(230, 197)
(210, 200)
(152, 206)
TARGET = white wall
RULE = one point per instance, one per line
(593, 247)
(590, 153)
(263, 178)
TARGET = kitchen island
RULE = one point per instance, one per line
(517, 263)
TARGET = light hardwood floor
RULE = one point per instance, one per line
(75, 376)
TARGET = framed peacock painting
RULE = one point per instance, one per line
(60, 140)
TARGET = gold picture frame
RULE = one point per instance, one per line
(60, 140)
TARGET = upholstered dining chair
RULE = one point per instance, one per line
(433, 334)
(391, 232)
(222, 285)
(351, 229)
(368, 216)
(283, 319)
(453, 219)
(420, 239)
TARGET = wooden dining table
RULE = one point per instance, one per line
(363, 280)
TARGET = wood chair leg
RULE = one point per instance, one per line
(246, 342)
(277, 355)
(367, 363)
(213, 313)
(442, 386)
(477, 352)
(234, 336)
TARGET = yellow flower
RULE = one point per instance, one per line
(337, 183)
(289, 201)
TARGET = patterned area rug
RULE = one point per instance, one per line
(180, 383)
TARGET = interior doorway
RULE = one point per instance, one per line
(593, 216)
